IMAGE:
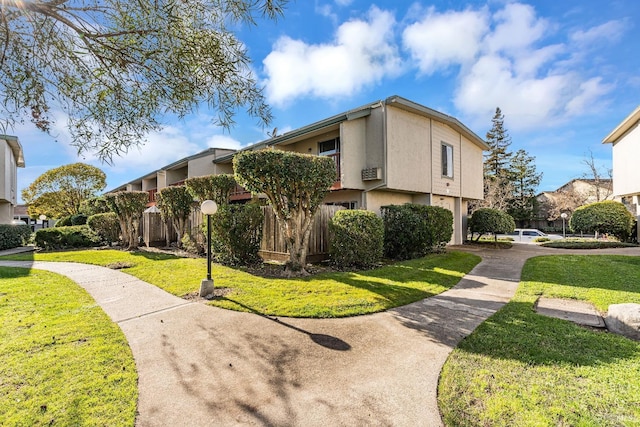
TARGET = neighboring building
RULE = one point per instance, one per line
(625, 139)
(11, 158)
(573, 194)
(388, 152)
(200, 164)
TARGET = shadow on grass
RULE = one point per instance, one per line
(326, 341)
(516, 332)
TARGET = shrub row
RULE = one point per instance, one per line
(360, 239)
(12, 236)
(75, 236)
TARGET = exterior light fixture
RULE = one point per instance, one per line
(208, 208)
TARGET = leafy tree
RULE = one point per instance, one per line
(487, 220)
(295, 185)
(128, 206)
(175, 205)
(94, 205)
(115, 67)
(59, 192)
(525, 181)
(603, 217)
(211, 187)
(602, 185)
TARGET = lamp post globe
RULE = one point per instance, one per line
(564, 217)
(208, 208)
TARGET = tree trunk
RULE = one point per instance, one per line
(297, 231)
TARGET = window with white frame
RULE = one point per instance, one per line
(327, 148)
(447, 160)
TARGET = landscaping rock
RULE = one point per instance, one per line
(624, 319)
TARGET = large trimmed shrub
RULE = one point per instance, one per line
(488, 220)
(236, 234)
(357, 238)
(211, 187)
(94, 205)
(65, 221)
(603, 217)
(106, 226)
(175, 204)
(78, 219)
(77, 236)
(12, 236)
(128, 206)
(413, 231)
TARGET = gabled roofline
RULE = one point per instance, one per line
(15, 146)
(359, 112)
(625, 126)
(449, 120)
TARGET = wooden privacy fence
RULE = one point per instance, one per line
(272, 245)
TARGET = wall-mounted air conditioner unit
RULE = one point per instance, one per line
(371, 174)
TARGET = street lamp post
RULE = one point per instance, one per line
(208, 208)
(564, 217)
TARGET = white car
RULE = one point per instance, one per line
(528, 235)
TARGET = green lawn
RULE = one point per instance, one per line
(323, 295)
(63, 362)
(522, 369)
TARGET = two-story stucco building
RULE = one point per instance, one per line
(392, 151)
(11, 158)
(625, 139)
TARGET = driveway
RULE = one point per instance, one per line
(201, 366)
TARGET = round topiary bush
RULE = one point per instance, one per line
(488, 220)
(603, 217)
(357, 238)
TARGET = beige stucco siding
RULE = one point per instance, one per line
(408, 151)
(202, 166)
(442, 133)
(353, 152)
(376, 199)
(471, 170)
(626, 174)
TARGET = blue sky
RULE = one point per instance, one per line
(564, 73)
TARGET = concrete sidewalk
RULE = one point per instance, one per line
(201, 366)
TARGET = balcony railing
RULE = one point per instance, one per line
(152, 195)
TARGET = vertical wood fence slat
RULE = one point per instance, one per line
(273, 245)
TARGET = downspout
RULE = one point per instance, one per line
(384, 149)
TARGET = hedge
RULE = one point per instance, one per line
(12, 236)
(76, 236)
(236, 234)
(413, 231)
(357, 238)
(106, 226)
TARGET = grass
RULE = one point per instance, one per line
(63, 361)
(323, 295)
(523, 369)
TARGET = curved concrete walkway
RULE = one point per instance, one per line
(203, 366)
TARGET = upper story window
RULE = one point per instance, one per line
(327, 148)
(447, 160)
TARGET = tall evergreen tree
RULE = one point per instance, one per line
(525, 180)
(496, 161)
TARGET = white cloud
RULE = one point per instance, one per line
(343, 2)
(363, 53)
(609, 31)
(440, 40)
(517, 28)
(161, 149)
(588, 93)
